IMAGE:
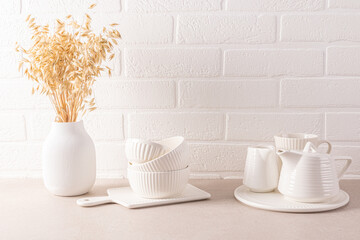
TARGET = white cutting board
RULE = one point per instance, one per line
(126, 197)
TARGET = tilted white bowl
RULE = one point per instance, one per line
(177, 158)
(158, 184)
(141, 151)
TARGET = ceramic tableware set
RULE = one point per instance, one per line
(157, 169)
(294, 176)
(158, 173)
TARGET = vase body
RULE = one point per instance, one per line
(69, 159)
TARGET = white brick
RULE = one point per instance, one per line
(135, 94)
(20, 156)
(343, 61)
(217, 157)
(273, 62)
(172, 62)
(69, 6)
(344, 4)
(134, 28)
(38, 124)
(263, 126)
(16, 94)
(12, 127)
(146, 29)
(193, 126)
(352, 151)
(105, 125)
(110, 156)
(229, 94)
(9, 7)
(320, 93)
(9, 62)
(171, 5)
(343, 126)
(274, 5)
(320, 28)
(226, 29)
(13, 29)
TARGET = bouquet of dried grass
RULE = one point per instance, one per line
(64, 63)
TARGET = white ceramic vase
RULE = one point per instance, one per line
(69, 160)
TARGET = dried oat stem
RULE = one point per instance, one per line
(64, 63)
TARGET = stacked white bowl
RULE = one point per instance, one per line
(158, 169)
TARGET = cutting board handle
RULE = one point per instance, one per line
(93, 201)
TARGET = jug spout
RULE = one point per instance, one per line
(288, 156)
(282, 152)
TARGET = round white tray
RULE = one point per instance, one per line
(275, 201)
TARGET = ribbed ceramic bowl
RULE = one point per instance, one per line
(177, 157)
(294, 141)
(158, 184)
(141, 151)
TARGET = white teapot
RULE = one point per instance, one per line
(309, 176)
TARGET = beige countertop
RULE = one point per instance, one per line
(28, 211)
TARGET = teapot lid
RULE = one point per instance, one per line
(310, 148)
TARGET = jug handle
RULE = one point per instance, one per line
(328, 143)
(348, 162)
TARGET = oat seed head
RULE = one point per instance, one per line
(65, 64)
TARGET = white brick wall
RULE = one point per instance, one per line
(171, 5)
(225, 74)
(265, 62)
(226, 29)
(135, 94)
(12, 127)
(9, 7)
(56, 6)
(344, 4)
(320, 28)
(263, 126)
(343, 127)
(228, 94)
(166, 62)
(320, 93)
(193, 126)
(343, 61)
(274, 5)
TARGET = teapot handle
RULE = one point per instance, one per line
(348, 162)
(328, 143)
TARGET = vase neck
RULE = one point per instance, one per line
(68, 127)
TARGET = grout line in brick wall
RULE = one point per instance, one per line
(247, 110)
(280, 94)
(177, 94)
(219, 79)
(281, 45)
(325, 62)
(226, 131)
(125, 125)
(223, 5)
(191, 142)
(325, 126)
(175, 29)
(233, 46)
(278, 29)
(222, 63)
